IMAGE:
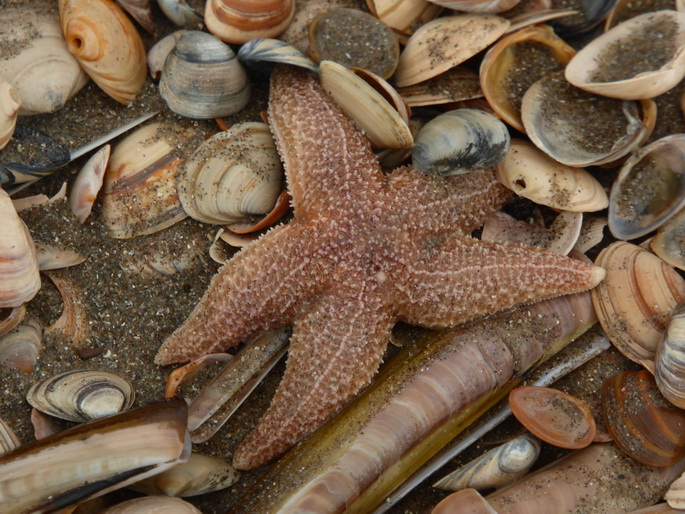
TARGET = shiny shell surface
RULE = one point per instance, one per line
(670, 359)
(238, 21)
(264, 53)
(669, 241)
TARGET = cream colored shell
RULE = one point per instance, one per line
(9, 110)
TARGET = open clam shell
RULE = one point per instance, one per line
(578, 128)
(82, 395)
(637, 59)
(238, 21)
(233, 176)
(635, 299)
(649, 189)
(670, 359)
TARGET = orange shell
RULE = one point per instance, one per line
(238, 21)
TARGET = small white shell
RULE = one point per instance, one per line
(88, 183)
(9, 110)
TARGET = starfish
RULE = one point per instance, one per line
(363, 251)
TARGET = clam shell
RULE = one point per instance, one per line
(153, 505)
(466, 500)
(264, 54)
(587, 15)
(530, 173)
(238, 21)
(179, 12)
(478, 6)
(669, 241)
(73, 325)
(156, 56)
(10, 318)
(40, 67)
(460, 141)
(634, 300)
(51, 257)
(649, 189)
(454, 85)
(8, 439)
(373, 113)
(82, 395)
(638, 59)
(19, 349)
(88, 183)
(141, 11)
(19, 278)
(578, 128)
(139, 195)
(443, 43)
(670, 359)
(106, 45)
(404, 15)
(9, 110)
(234, 175)
(202, 78)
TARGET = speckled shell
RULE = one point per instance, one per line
(9, 110)
(404, 15)
(42, 70)
(238, 21)
(19, 349)
(106, 44)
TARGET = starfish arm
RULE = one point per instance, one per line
(327, 160)
(472, 278)
(255, 291)
(334, 352)
(458, 203)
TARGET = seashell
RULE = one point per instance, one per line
(626, 9)
(530, 173)
(234, 175)
(107, 46)
(88, 183)
(50, 257)
(478, 6)
(73, 325)
(82, 395)
(264, 54)
(20, 280)
(238, 21)
(370, 109)
(634, 300)
(443, 43)
(39, 66)
(8, 439)
(554, 416)
(591, 233)
(139, 196)
(525, 19)
(650, 188)
(642, 423)
(10, 318)
(466, 500)
(669, 241)
(460, 141)
(203, 79)
(200, 474)
(578, 128)
(297, 33)
(640, 58)
(669, 365)
(515, 63)
(141, 11)
(94, 458)
(404, 15)
(354, 38)
(9, 110)
(44, 425)
(179, 12)
(156, 56)
(454, 85)
(586, 17)
(496, 467)
(153, 505)
(19, 349)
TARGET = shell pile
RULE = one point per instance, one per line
(582, 115)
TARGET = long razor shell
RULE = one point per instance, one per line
(424, 397)
(92, 459)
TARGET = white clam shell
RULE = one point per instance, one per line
(669, 365)
(88, 183)
(9, 110)
(156, 56)
(232, 176)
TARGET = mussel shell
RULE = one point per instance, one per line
(82, 395)
(460, 141)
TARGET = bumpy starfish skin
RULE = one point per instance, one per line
(363, 251)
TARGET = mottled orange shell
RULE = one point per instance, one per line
(239, 21)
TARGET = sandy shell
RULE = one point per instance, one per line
(153, 505)
(106, 44)
(669, 241)
(635, 299)
(454, 85)
(238, 21)
(9, 110)
(41, 68)
(534, 175)
(19, 278)
(88, 183)
(19, 349)
(650, 188)
(202, 78)
(404, 15)
(615, 63)
(443, 43)
(82, 395)
(234, 175)
(52, 257)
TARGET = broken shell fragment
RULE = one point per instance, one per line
(264, 54)
(141, 11)
(202, 78)
(460, 141)
(156, 56)
(106, 44)
(153, 505)
(455, 85)
(443, 43)
(19, 349)
(88, 183)
(233, 176)
(82, 395)
(669, 366)
(73, 324)
(9, 110)
(534, 175)
(649, 189)
(634, 300)
(554, 416)
(238, 21)
(638, 59)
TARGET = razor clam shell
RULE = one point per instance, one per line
(263, 55)
(669, 365)
(82, 395)
(93, 459)
(460, 141)
(200, 474)
(650, 189)
(20, 348)
(496, 467)
(153, 505)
